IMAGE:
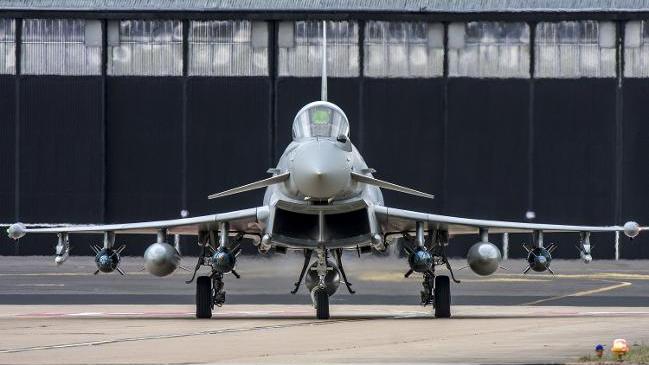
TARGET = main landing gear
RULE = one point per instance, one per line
(204, 302)
(222, 259)
(209, 293)
(428, 252)
(437, 292)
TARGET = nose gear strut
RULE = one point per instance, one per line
(339, 261)
(307, 260)
(337, 253)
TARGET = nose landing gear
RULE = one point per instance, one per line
(322, 278)
(319, 293)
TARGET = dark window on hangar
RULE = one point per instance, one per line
(489, 50)
(574, 49)
(145, 48)
(61, 47)
(228, 48)
(300, 52)
(404, 49)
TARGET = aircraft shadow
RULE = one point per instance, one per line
(333, 319)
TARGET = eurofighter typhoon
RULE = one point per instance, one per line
(322, 198)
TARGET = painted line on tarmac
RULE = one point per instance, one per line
(39, 285)
(618, 285)
(179, 335)
(398, 277)
(142, 314)
(130, 273)
(378, 276)
(591, 276)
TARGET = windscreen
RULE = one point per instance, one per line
(320, 120)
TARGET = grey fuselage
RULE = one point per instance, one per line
(320, 204)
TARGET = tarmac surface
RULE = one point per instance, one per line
(52, 315)
(37, 280)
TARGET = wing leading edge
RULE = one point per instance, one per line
(399, 220)
(246, 220)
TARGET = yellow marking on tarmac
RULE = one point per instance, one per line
(584, 293)
(398, 277)
(593, 276)
(511, 278)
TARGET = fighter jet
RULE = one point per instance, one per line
(322, 198)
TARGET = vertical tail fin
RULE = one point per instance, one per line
(323, 91)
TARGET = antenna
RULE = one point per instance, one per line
(323, 91)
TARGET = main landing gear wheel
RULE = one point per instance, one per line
(204, 298)
(322, 303)
(442, 297)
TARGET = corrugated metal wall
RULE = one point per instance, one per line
(61, 156)
(635, 188)
(144, 151)
(228, 128)
(402, 137)
(574, 150)
(7, 149)
(487, 158)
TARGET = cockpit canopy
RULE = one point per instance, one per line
(320, 119)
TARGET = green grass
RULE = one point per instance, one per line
(638, 354)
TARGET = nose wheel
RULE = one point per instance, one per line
(321, 300)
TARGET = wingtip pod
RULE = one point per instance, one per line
(631, 229)
(16, 231)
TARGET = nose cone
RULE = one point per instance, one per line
(321, 170)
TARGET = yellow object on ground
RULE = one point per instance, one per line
(620, 347)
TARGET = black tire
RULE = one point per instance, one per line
(322, 303)
(442, 297)
(204, 297)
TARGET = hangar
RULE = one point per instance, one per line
(131, 110)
